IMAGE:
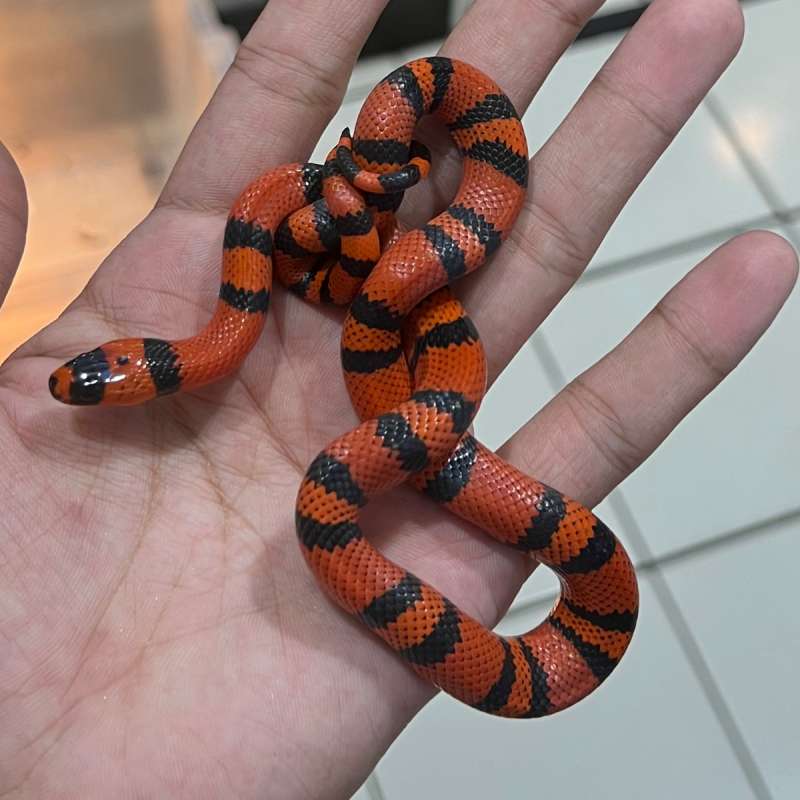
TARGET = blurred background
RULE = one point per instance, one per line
(97, 97)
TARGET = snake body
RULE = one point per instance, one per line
(415, 371)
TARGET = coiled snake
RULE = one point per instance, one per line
(416, 373)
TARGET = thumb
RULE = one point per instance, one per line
(13, 219)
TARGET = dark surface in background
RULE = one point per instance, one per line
(407, 22)
(621, 20)
(403, 23)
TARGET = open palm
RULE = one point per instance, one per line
(161, 634)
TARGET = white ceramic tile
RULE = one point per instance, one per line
(646, 733)
(368, 72)
(735, 460)
(362, 794)
(697, 186)
(518, 393)
(758, 94)
(742, 605)
(345, 117)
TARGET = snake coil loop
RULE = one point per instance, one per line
(415, 169)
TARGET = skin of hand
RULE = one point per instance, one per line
(160, 634)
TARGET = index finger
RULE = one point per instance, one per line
(286, 82)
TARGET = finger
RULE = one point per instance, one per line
(588, 169)
(285, 84)
(606, 422)
(516, 43)
(13, 219)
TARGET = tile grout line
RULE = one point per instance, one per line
(675, 617)
(714, 696)
(769, 193)
(721, 541)
(647, 257)
(717, 543)
(688, 643)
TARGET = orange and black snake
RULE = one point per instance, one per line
(416, 373)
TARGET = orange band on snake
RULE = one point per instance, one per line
(416, 374)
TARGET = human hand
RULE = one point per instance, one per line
(159, 623)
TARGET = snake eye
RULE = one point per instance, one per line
(122, 361)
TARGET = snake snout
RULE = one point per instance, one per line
(82, 381)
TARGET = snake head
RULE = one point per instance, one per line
(103, 375)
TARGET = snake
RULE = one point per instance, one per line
(415, 370)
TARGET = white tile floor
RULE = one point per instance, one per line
(705, 706)
(753, 583)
